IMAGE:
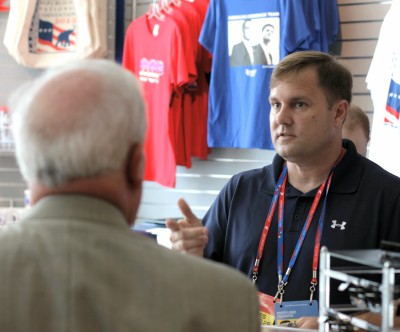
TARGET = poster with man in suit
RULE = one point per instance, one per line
(255, 47)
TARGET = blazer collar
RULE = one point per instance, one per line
(76, 207)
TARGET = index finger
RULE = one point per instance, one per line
(187, 212)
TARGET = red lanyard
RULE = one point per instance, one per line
(279, 192)
(268, 220)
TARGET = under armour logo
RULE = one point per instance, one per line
(335, 224)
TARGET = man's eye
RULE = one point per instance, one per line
(299, 105)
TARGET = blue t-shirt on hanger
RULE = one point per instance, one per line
(247, 38)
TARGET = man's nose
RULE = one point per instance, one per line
(283, 115)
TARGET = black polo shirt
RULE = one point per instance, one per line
(363, 208)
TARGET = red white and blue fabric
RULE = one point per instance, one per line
(393, 105)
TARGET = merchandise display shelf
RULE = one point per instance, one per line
(367, 262)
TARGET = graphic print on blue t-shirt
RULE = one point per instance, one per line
(253, 39)
(239, 88)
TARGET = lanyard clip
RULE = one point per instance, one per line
(280, 292)
(312, 290)
(254, 277)
(255, 270)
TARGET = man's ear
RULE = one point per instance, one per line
(135, 165)
(340, 110)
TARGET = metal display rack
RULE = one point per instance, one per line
(375, 261)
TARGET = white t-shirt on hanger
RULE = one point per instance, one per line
(383, 80)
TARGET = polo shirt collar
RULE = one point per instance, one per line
(346, 177)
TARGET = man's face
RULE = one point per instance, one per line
(267, 33)
(302, 125)
(249, 32)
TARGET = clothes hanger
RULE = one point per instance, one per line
(176, 3)
(155, 12)
(165, 6)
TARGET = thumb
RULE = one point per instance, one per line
(188, 214)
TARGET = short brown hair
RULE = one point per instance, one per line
(334, 77)
(356, 117)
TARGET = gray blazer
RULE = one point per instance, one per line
(73, 264)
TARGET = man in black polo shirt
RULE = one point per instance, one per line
(270, 222)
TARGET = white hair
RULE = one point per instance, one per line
(88, 133)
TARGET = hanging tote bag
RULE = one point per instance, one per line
(46, 33)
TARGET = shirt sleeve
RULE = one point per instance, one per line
(207, 34)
